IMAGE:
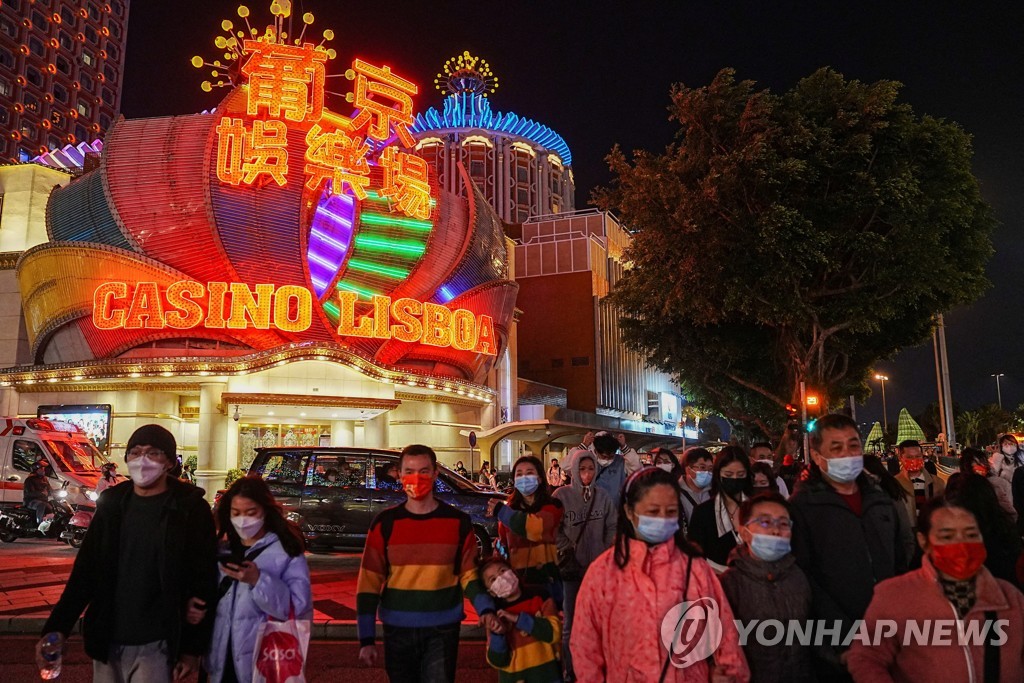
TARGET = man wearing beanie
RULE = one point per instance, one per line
(149, 551)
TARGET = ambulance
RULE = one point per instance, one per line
(72, 458)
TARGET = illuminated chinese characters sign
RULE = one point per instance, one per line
(187, 305)
(285, 91)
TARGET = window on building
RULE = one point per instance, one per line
(110, 73)
(8, 28)
(523, 196)
(5, 117)
(580, 361)
(558, 362)
(91, 35)
(83, 109)
(31, 102)
(66, 41)
(88, 58)
(39, 20)
(113, 51)
(54, 142)
(27, 130)
(86, 82)
(94, 13)
(118, 7)
(56, 118)
(5, 88)
(522, 173)
(24, 155)
(476, 169)
(81, 134)
(60, 93)
(107, 96)
(36, 47)
(6, 58)
(104, 122)
(34, 76)
(115, 29)
(63, 65)
(13, 4)
(68, 17)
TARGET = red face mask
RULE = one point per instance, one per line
(959, 560)
(913, 464)
(417, 486)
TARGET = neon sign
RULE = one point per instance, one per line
(186, 304)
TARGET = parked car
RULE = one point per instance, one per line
(334, 493)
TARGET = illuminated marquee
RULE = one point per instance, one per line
(186, 305)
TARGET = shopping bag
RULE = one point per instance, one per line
(281, 648)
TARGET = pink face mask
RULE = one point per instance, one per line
(504, 584)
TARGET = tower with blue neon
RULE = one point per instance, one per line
(521, 166)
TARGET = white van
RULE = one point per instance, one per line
(72, 456)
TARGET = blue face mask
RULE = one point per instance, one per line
(702, 479)
(656, 529)
(769, 548)
(845, 469)
(527, 484)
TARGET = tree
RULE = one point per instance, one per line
(968, 424)
(793, 237)
(993, 421)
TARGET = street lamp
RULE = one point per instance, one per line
(885, 417)
(999, 393)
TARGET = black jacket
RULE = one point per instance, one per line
(188, 569)
(702, 529)
(762, 591)
(843, 555)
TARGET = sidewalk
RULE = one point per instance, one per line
(33, 573)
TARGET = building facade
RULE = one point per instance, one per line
(522, 167)
(61, 69)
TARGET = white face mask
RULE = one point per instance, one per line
(504, 584)
(247, 526)
(145, 472)
(667, 466)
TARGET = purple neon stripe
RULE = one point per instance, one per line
(329, 238)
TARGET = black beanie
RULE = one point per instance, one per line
(155, 436)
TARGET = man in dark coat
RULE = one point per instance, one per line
(846, 533)
(150, 549)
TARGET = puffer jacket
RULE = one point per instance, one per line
(764, 591)
(918, 596)
(283, 587)
(619, 614)
(600, 530)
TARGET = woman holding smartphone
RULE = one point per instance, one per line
(263, 575)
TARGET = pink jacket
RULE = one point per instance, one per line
(617, 624)
(918, 595)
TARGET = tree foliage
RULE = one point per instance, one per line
(793, 237)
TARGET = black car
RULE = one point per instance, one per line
(334, 493)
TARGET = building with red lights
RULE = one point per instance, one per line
(61, 67)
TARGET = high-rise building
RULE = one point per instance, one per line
(61, 68)
(521, 166)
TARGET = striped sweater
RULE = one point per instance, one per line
(531, 541)
(409, 567)
(526, 652)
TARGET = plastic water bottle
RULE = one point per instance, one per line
(52, 652)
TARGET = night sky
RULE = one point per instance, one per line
(599, 74)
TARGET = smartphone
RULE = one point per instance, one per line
(225, 557)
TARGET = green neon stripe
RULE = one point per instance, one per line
(332, 310)
(381, 244)
(375, 197)
(396, 221)
(387, 271)
(368, 293)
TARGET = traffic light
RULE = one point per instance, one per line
(793, 420)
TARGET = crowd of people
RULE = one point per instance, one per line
(599, 562)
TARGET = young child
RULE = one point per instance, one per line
(526, 651)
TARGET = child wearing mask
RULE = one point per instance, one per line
(525, 652)
(630, 590)
(763, 582)
(527, 524)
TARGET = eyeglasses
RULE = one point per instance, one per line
(139, 452)
(766, 522)
(701, 468)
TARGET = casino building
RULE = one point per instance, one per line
(269, 273)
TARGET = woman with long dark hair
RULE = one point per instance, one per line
(634, 588)
(880, 474)
(713, 526)
(263, 575)
(527, 526)
(975, 493)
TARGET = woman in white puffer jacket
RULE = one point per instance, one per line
(272, 583)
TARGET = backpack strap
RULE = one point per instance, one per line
(991, 649)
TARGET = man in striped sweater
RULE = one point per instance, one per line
(419, 561)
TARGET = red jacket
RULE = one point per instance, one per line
(918, 596)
